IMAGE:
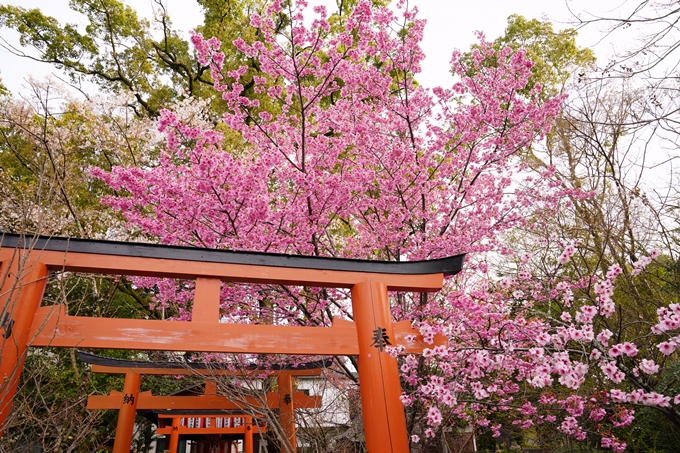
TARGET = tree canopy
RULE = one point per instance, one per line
(273, 132)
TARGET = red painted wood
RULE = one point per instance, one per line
(379, 385)
(23, 284)
(174, 435)
(147, 401)
(53, 327)
(383, 413)
(287, 410)
(127, 410)
(155, 267)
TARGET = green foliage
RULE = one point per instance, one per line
(59, 44)
(120, 52)
(555, 54)
(653, 431)
(116, 50)
(47, 145)
(49, 410)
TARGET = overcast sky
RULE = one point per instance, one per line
(450, 24)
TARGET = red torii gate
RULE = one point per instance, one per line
(130, 400)
(26, 262)
(218, 424)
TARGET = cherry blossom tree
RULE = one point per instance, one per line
(359, 161)
(353, 158)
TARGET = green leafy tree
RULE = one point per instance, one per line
(117, 51)
(555, 54)
(48, 141)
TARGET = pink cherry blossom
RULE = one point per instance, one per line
(666, 347)
(604, 336)
(648, 366)
(616, 350)
(630, 349)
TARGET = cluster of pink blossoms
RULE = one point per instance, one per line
(484, 369)
(669, 320)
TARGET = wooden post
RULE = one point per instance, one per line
(206, 306)
(174, 436)
(384, 420)
(248, 437)
(287, 408)
(127, 413)
(210, 388)
(23, 284)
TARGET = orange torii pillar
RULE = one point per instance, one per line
(248, 437)
(379, 383)
(369, 282)
(130, 398)
(174, 435)
(287, 409)
(22, 283)
(126, 415)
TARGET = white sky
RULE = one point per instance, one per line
(451, 24)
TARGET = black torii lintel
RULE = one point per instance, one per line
(448, 266)
(197, 412)
(94, 359)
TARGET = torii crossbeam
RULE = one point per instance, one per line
(26, 262)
